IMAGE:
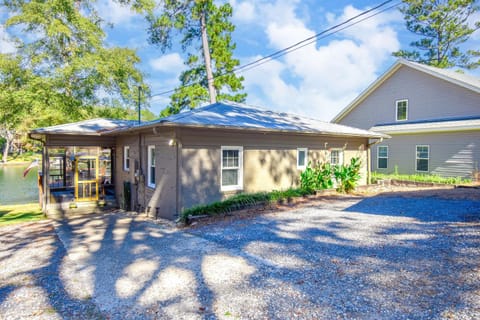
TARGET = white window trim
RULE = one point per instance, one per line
(396, 110)
(125, 149)
(378, 156)
(238, 186)
(340, 155)
(428, 157)
(149, 163)
(304, 166)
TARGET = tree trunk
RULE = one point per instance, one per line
(6, 147)
(208, 62)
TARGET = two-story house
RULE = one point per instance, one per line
(432, 115)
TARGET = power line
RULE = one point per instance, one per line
(304, 44)
(321, 35)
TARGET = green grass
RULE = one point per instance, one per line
(10, 214)
(24, 157)
(241, 201)
(420, 178)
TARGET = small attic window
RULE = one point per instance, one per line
(402, 110)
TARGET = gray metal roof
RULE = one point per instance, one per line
(86, 127)
(241, 116)
(447, 74)
(227, 115)
(446, 125)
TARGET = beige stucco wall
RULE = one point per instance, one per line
(120, 174)
(188, 168)
(163, 199)
(270, 160)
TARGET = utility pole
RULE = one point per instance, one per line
(139, 114)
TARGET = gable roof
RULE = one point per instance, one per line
(222, 115)
(457, 78)
(233, 115)
(92, 127)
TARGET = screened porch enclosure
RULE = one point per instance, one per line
(79, 174)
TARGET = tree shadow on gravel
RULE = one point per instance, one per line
(32, 256)
(349, 264)
(136, 269)
(353, 258)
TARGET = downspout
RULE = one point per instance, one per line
(140, 171)
(178, 146)
(369, 173)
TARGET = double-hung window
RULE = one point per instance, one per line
(151, 167)
(302, 158)
(422, 158)
(126, 158)
(232, 168)
(336, 156)
(382, 157)
(402, 110)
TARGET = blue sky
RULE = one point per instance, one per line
(318, 80)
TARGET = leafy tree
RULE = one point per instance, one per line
(69, 66)
(443, 26)
(205, 28)
(14, 99)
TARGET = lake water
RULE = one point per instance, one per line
(14, 189)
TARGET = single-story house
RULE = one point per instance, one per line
(194, 157)
(431, 114)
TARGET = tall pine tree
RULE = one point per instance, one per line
(206, 39)
(443, 26)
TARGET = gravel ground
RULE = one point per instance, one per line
(391, 256)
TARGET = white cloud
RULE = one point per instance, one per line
(115, 12)
(471, 22)
(170, 63)
(6, 43)
(322, 78)
(243, 11)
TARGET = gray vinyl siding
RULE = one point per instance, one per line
(428, 98)
(451, 154)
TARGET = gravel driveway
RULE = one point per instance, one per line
(383, 257)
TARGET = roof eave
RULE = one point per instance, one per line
(424, 130)
(263, 130)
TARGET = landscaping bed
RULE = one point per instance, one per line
(403, 190)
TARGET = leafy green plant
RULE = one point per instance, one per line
(347, 175)
(317, 178)
(308, 178)
(324, 177)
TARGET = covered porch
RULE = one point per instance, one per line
(78, 167)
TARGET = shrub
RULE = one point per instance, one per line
(321, 176)
(429, 178)
(317, 178)
(241, 201)
(347, 175)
